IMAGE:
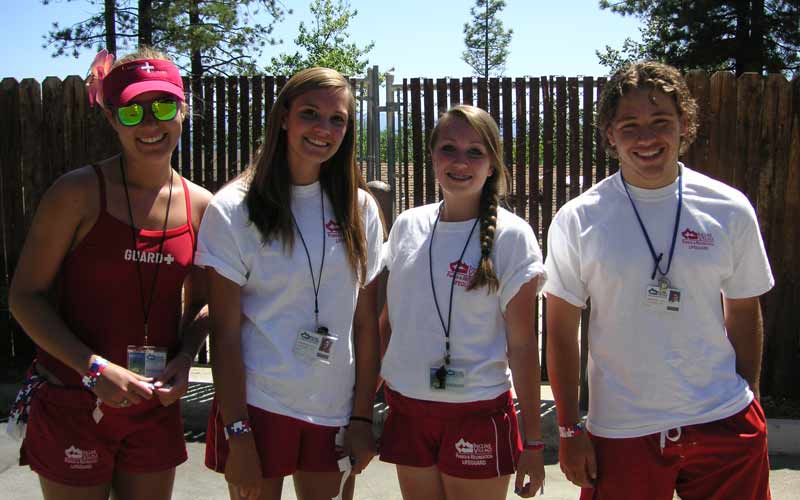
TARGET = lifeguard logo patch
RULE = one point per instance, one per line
(77, 458)
(697, 240)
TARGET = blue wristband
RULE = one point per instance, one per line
(90, 379)
(237, 428)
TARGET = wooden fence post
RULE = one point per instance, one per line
(778, 205)
(521, 153)
(722, 127)
(698, 154)
(430, 120)
(12, 227)
(52, 134)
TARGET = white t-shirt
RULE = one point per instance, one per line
(650, 371)
(477, 331)
(277, 300)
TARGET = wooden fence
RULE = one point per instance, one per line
(749, 137)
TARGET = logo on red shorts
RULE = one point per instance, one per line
(473, 453)
(80, 459)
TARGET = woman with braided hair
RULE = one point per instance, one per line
(459, 322)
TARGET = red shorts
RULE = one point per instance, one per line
(476, 440)
(719, 460)
(64, 444)
(285, 444)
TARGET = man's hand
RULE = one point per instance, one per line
(577, 459)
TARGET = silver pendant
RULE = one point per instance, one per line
(97, 413)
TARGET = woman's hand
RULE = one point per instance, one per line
(531, 464)
(359, 444)
(120, 388)
(243, 467)
(173, 382)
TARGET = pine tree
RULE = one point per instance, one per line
(325, 43)
(738, 35)
(486, 39)
(205, 36)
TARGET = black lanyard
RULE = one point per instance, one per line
(314, 283)
(136, 254)
(657, 258)
(446, 329)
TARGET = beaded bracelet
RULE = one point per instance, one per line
(237, 428)
(356, 418)
(533, 445)
(568, 431)
(90, 379)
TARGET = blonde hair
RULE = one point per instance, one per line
(494, 188)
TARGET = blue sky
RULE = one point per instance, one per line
(416, 37)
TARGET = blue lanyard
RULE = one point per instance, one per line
(657, 258)
(314, 283)
(446, 329)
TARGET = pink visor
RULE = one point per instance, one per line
(128, 80)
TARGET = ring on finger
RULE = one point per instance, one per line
(124, 402)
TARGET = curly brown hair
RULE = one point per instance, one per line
(647, 75)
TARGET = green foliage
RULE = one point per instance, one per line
(325, 43)
(223, 32)
(486, 39)
(739, 35)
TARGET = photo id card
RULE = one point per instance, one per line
(147, 360)
(446, 378)
(315, 347)
(659, 298)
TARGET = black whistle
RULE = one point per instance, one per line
(441, 376)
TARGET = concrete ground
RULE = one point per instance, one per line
(378, 482)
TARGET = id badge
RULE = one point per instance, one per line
(658, 298)
(147, 360)
(446, 378)
(315, 347)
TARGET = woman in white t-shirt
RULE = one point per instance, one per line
(292, 247)
(460, 310)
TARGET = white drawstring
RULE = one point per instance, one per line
(665, 435)
(344, 463)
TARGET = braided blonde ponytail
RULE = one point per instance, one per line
(485, 275)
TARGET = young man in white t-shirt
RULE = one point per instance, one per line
(673, 369)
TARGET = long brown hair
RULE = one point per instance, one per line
(494, 188)
(268, 195)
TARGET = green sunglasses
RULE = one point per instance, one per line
(163, 110)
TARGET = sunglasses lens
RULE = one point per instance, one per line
(165, 110)
(130, 115)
